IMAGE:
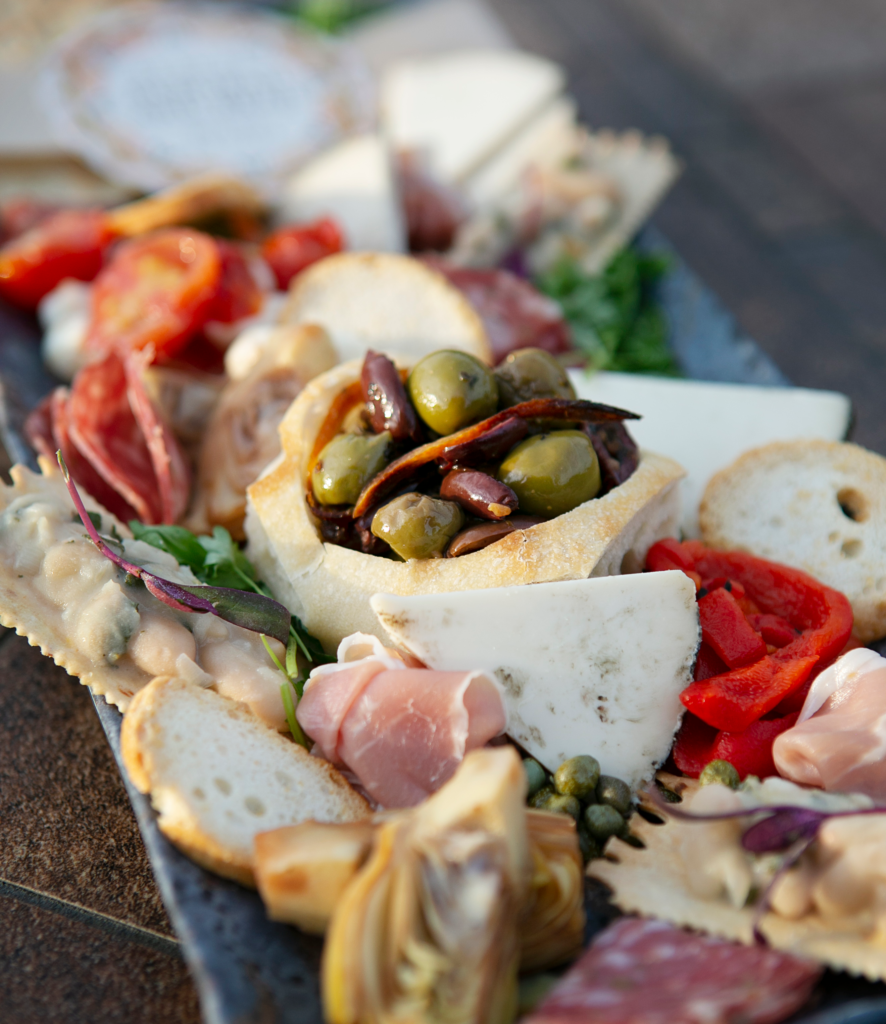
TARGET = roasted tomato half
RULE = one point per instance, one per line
(239, 294)
(71, 243)
(289, 250)
(157, 290)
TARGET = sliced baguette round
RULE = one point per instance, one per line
(218, 776)
(819, 506)
(388, 301)
(329, 587)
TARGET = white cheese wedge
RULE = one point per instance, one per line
(705, 426)
(353, 183)
(592, 666)
(461, 107)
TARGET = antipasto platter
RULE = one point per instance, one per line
(382, 599)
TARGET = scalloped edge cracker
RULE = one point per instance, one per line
(654, 882)
(27, 611)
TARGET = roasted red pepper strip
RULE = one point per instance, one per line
(749, 752)
(725, 628)
(774, 629)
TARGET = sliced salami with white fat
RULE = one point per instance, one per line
(642, 971)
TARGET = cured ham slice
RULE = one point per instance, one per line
(839, 741)
(400, 728)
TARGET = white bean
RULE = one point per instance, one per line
(157, 643)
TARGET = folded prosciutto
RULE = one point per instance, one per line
(839, 740)
(400, 728)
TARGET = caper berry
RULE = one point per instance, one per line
(452, 389)
(561, 805)
(541, 797)
(347, 464)
(531, 373)
(719, 771)
(616, 793)
(589, 846)
(417, 526)
(552, 473)
(536, 776)
(603, 821)
(578, 777)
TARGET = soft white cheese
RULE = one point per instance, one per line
(64, 316)
(706, 426)
(353, 183)
(592, 666)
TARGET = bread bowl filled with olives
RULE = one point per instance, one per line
(448, 475)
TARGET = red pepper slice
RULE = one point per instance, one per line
(291, 249)
(773, 628)
(749, 752)
(708, 663)
(725, 628)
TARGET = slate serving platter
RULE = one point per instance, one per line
(249, 970)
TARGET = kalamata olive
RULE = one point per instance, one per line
(603, 821)
(536, 776)
(531, 373)
(418, 526)
(451, 389)
(578, 777)
(386, 400)
(552, 473)
(479, 493)
(346, 464)
(488, 447)
(719, 771)
(481, 535)
(616, 793)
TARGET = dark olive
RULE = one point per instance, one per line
(719, 771)
(387, 404)
(481, 535)
(531, 373)
(478, 493)
(578, 777)
(616, 793)
(552, 473)
(347, 464)
(536, 776)
(603, 821)
(452, 389)
(417, 526)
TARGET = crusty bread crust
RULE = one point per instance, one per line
(817, 505)
(148, 748)
(329, 587)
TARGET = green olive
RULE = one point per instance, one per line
(541, 797)
(616, 793)
(417, 526)
(603, 821)
(719, 771)
(552, 473)
(561, 805)
(451, 390)
(531, 373)
(536, 776)
(347, 464)
(578, 777)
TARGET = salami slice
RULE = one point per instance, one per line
(641, 971)
(514, 313)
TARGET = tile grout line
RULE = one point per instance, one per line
(105, 922)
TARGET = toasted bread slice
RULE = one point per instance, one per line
(218, 776)
(386, 301)
(817, 505)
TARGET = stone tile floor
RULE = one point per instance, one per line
(777, 107)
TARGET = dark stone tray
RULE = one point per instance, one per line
(249, 970)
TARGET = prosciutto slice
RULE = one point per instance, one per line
(839, 741)
(400, 728)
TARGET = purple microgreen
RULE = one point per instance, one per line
(252, 611)
(782, 829)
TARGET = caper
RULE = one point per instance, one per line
(536, 776)
(561, 805)
(603, 821)
(552, 473)
(417, 526)
(589, 846)
(347, 464)
(719, 771)
(531, 373)
(578, 777)
(616, 793)
(541, 797)
(451, 390)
